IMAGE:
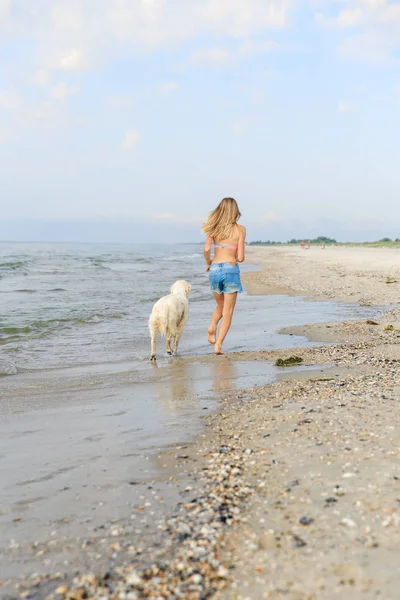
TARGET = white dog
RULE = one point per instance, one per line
(169, 316)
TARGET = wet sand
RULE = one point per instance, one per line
(293, 489)
(73, 440)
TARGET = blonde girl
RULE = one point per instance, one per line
(228, 239)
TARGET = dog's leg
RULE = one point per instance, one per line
(177, 343)
(153, 334)
(177, 339)
(169, 349)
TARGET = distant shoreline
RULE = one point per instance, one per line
(377, 244)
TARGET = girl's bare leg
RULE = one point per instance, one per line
(216, 317)
(227, 313)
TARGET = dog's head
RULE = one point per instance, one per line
(181, 287)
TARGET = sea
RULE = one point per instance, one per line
(82, 410)
(73, 305)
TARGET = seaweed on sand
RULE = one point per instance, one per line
(288, 362)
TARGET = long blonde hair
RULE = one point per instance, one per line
(222, 220)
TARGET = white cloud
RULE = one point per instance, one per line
(5, 8)
(377, 40)
(80, 33)
(72, 60)
(390, 14)
(212, 57)
(62, 91)
(243, 124)
(68, 16)
(41, 77)
(27, 112)
(349, 17)
(168, 88)
(160, 22)
(224, 56)
(131, 139)
(343, 107)
(239, 18)
(250, 47)
(375, 48)
(257, 95)
(119, 101)
(42, 111)
(9, 100)
(75, 35)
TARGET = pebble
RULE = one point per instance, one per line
(299, 542)
(306, 520)
(348, 522)
(62, 590)
(196, 569)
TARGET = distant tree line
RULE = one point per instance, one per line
(319, 240)
(267, 243)
(324, 240)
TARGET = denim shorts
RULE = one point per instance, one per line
(225, 278)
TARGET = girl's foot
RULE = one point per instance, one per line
(218, 350)
(211, 335)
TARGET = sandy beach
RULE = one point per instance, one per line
(293, 489)
(351, 274)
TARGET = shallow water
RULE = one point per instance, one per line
(78, 305)
(82, 410)
(71, 305)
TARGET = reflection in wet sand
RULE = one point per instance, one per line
(223, 375)
(173, 385)
(177, 385)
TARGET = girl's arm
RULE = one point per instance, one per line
(240, 250)
(207, 251)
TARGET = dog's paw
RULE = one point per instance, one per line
(153, 358)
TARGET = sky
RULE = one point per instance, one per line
(129, 120)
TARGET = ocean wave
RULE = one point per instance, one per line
(180, 257)
(15, 330)
(13, 265)
(103, 261)
(7, 368)
(22, 291)
(153, 299)
(11, 333)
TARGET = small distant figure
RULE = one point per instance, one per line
(308, 245)
(302, 244)
(323, 245)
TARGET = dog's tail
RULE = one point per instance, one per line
(162, 324)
